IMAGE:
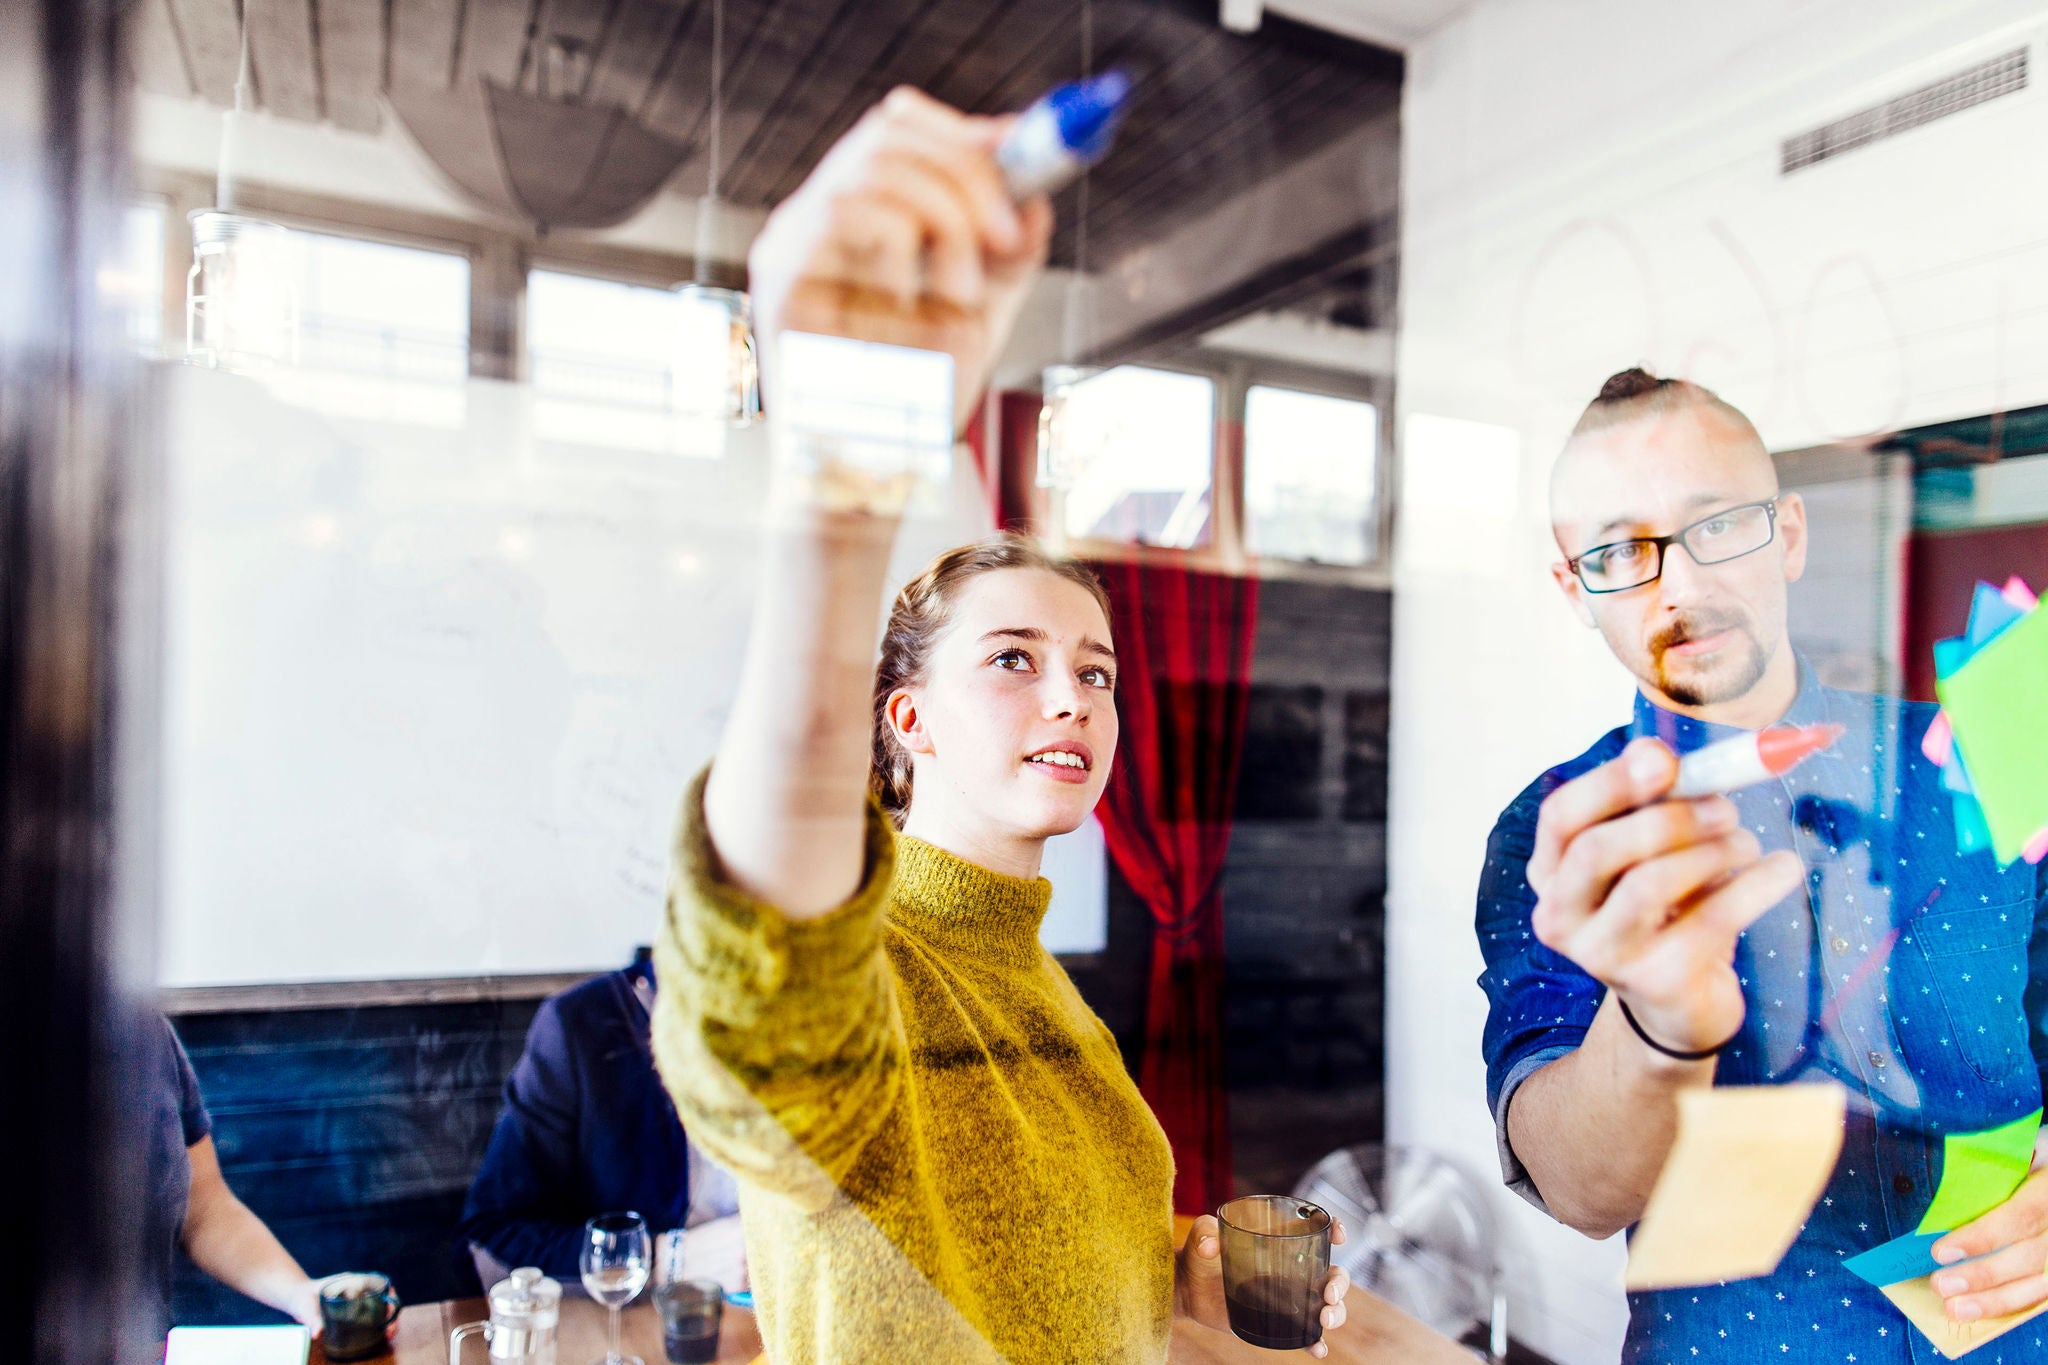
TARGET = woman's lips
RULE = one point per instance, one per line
(1058, 772)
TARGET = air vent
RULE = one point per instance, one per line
(1987, 80)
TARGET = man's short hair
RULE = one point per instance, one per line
(1635, 393)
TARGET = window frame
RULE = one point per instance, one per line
(1234, 375)
(499, 257)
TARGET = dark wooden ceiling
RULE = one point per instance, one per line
(1218, 111)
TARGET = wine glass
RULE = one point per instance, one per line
(615, 1260)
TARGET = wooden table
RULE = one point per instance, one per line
(423, 1334)
(1375, 1333)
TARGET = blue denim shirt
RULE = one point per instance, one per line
(1914, 975)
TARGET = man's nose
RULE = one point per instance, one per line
(1683, 580)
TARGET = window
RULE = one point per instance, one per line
(132, 283)
(383, 329)
(1146, 478)
(604, 358)
(1309, 462)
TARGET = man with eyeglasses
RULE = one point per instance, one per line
(1818, 926)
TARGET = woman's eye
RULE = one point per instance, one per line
(1015, 660)
(1097, 677)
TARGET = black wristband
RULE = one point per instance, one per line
(1670, 1052)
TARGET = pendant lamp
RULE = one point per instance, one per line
(241, 302)
(717, 368)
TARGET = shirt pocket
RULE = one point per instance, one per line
(1976, 963)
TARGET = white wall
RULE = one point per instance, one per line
(1589, 184)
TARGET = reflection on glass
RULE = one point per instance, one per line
(241, 311)
(132, 283)
(717, 375)
(1309, 475)
(1138, 448)
(628, 366)
(383, 329)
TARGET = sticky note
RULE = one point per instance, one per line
(1926, 1310)
(237, 1346)
(1744, 1172)
(1990, 612)
(1979, 1171)
(1997, 704)
(1902, 1258)
(1971, 831)
(1939, 742)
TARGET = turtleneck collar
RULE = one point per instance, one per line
(967, 907)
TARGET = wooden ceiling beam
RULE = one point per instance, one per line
(817, 111)
(636, 49)
(352, 62)
(212, 34)
(281, 51)
(494, 38)
(155, 56)
(423, 38)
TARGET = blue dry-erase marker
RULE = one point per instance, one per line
(1064, 133)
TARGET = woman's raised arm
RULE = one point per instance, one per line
(903, 234)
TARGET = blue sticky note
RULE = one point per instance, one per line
(1972, 830)
(1950, 655)
(1990, 613)
(1902, 1258)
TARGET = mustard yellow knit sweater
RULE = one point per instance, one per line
(941, 1158)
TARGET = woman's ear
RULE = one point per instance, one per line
(905, 721)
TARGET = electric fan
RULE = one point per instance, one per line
(1418, 1233)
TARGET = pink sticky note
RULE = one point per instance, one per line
(2018, 593)
(2037, 847)
(1939, 741)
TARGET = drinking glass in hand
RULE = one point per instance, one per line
(690, 1314)
(616, 1257)
(1276, 1264)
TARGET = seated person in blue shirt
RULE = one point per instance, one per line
(189, 1204)
(587, 1129)
(1821, 925)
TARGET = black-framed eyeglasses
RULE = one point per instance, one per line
(1715, 538)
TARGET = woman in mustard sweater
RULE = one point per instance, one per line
(941, 1157)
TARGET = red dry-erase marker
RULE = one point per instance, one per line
(1749, 758)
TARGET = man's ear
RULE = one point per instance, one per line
(1574, 591)
(908, 725)
(1792, 531)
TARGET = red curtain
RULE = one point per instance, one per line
(1184, 646)
(1943, 567)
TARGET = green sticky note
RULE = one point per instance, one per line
(1979, 1171)
(1998, 705)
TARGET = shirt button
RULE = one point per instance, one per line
(1877, 1059)
(1839, 944)
(1902, 1184)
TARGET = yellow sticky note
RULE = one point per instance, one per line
(1745, 1170)
(1924, 1309)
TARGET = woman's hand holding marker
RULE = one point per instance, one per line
(905, 234)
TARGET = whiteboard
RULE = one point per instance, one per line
(434, 687)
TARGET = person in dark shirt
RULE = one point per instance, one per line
(189, 1203)
(587, 1128)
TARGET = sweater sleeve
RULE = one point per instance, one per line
(780, 1040)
